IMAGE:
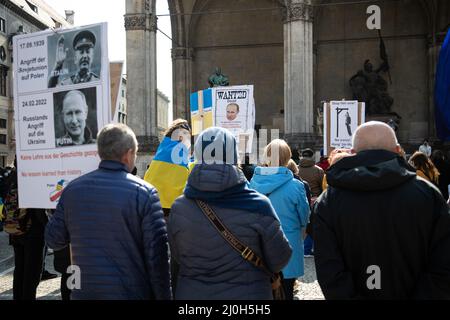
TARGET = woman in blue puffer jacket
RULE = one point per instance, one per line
(288, 197)
(210, 268)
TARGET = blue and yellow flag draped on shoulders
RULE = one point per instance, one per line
(442, 92)
(168, 171)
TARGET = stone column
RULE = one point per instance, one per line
(182, 81)
(140, 26)
(298, 73)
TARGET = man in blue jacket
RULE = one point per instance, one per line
(114, 224)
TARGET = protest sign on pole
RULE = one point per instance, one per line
(201, 111)
(231, 107)
(61, 100)
(341, 118)
(234, 110)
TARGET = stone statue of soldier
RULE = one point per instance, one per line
(370, 87)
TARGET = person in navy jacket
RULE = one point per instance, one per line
(114, 225)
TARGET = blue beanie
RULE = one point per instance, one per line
(216, 146)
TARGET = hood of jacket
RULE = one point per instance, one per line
(225, 186)
(268, 179)
(306, 162)
(215, 177)
(370, 170)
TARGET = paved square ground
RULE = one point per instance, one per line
(306, 287)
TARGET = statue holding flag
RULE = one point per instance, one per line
(370, 87)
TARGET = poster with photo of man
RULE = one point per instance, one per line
(234, 110)
(61, 99)
(75, 116)
(74, 57)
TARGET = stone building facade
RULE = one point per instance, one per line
(297, 53)
(163, 113)
(17, 16)
(118, 89)
(119, 106)
(123, 100)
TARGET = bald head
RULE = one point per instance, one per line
(375, 135)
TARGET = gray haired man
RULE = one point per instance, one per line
(114, 224)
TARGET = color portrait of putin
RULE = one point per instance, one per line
(232, 111)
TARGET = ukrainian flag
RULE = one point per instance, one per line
(168, 172)
(201, 111)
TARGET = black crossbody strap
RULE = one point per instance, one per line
(245, 251)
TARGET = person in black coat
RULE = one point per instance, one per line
(247, 168)
(27, 241)
(29, 255)
(381, 232)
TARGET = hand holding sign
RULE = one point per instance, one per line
(61, 53)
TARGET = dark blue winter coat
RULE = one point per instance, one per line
(210, 268)
(115, 226)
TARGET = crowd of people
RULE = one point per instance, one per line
(212, 226)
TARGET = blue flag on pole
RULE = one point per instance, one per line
(442, 92)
